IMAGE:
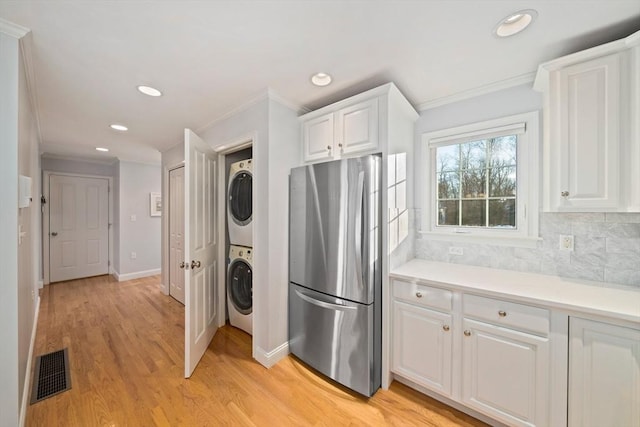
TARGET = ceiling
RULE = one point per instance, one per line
(210, 57)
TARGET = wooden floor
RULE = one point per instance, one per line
(126, 354)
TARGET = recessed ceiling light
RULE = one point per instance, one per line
(515, 23)
(121, 128)
(321, 79)
(102, 149)
(148, 90)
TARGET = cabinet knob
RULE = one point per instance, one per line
(195, 264)
(502, 313)
(565, 194)
(329, 147)
(419, 294)
(340, 145)
(467, 333)
(445, 328)
(181, 265)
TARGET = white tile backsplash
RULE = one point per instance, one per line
(606, 248)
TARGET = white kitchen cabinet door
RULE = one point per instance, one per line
(604, 374)
(505, 374)
(317, 137)
(587, 113)
(357, 128)
(422, 346)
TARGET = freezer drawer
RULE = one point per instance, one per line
(336, 337)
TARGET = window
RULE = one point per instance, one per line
(482, 179)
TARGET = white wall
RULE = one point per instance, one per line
(77, 166)
(9, 374)
(18, 264)
(142, 236)
(29, 220)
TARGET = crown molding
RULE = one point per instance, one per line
(478, 91)
(13, 30)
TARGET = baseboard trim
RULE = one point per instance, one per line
(27, 374)
(270, 358)
(135, 275)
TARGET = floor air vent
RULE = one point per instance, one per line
(51, 375)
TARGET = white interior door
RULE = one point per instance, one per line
(176, 233)
(201, 285)
(78, 227)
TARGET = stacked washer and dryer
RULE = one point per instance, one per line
(239, 220)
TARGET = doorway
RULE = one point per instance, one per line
(76, 226)
(176, 233)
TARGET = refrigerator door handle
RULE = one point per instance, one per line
(324, 304)
(358, 228)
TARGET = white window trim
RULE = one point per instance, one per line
(528, 179)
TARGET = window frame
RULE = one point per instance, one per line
(527, 179)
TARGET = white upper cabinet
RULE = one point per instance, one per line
(354, 126)
(591, 129)
(317, 135)
(353, 129)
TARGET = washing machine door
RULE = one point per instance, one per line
(240, 198)
(241, 286)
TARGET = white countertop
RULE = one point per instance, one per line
(616, 302)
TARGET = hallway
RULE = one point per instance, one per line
(126, 353)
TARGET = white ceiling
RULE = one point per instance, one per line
(209, 57)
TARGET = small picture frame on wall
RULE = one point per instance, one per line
(155, 204)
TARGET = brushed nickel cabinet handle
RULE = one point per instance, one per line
(467, 333)
(446, 328)
(419, 294)
(329, 147)
(565, 194)
(195, 264)
(181, 265)
(54, 234)
(502, 313)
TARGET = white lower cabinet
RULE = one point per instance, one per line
(422, 346)
(604, 374)
(496, 351)
(505, 373)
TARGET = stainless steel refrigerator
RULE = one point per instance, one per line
(335, 287)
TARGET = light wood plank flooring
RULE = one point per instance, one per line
(126, 354)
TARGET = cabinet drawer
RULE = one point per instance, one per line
(505, 313)
(422, 295)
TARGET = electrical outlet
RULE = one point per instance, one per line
(134, 255)
(456, 250)
(566, 242)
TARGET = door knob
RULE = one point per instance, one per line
(181, 265)
(54, 233)
(195, 264)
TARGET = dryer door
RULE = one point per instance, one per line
(240, 196)
(241, 286)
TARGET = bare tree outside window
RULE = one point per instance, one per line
(477, 183)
